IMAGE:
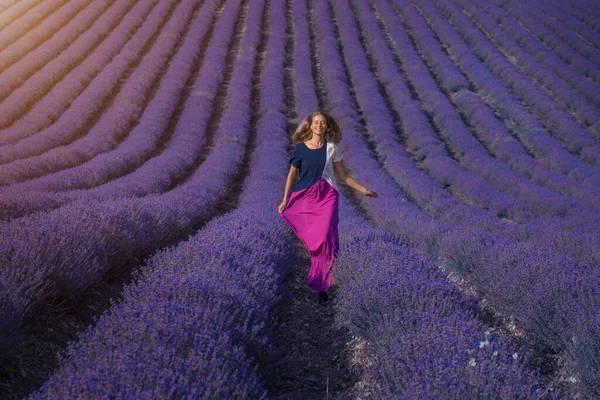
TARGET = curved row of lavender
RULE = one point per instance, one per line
(495, 135)
(374, 262)
(5, 5)
(198, 270)
(47, 28)
(582, 31)
(212, 322)
(546, 74)
(581, 14)
(425, 188)
(462, 117)
(14, 11)
(522, 275)
(416, 183)
(159, 173)
(60, 146)
(554, 39)
(71, 247)
(440, 235)
(565, 32)
(526, 39)
(41, 12)
(35, 87)
(142, 139)
(560, 123)
(587, 6)
(531, 132)
(371, 102)
(419, 137)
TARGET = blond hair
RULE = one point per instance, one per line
(303, 132)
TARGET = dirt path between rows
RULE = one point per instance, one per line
(315, 358)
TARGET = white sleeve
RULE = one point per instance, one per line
(337, 154)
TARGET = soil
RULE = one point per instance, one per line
(316, 360)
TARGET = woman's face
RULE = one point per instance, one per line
(319, 125)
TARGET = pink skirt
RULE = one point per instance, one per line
(312, 214)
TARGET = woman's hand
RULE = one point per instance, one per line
(369, 193)
(282, 206)
(338, 166)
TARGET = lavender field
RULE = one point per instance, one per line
(144, 148)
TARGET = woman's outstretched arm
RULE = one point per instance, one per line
(289, 182)
(350, 181)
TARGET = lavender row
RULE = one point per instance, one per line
(383, 258)
(143, 139)
(5, 5)
(453, 247)
(341, 106)
(566, 71)
(507, 107)
(33, 17)
(17, 11)
(355, 231)
(305, 94)
(581, 14)
(583, 32)
(574, 250)
(565, 34)
(455, 133)
(157, 174)
(546, 74)
(38, 34)
(424, 336)
(554, 43)
(415, 127)
(557, 121)
(215, 295)
(447, 210)
(71, 247)
(198, 320)
(551, 298)
(58, 146)
(420, 138)
(579, 229)
(38, 77)
(489, 130)
(589, 7)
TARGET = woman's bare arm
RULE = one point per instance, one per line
(350, 181)
(291, 179)
(289, 182)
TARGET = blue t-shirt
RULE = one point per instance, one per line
(311, 164)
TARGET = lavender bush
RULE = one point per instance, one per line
(42, 11)
(561, 124)
(143, 139)
(559, 41)
(24, 158)
(474, 186)
(531, 132)
(453, 247)
(226, 278)
(24, 82)
(157, 174)
(59, 21)
(494, 135)
(102, 235)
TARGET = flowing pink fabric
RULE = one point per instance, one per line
(312, 214)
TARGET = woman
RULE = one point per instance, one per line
(312, 208)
